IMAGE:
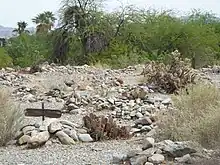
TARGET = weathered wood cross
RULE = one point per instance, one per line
(51, 113)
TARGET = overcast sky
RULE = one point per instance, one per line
(13, 11)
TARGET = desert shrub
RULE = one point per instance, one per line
(196, 116)
(102, 128)
(171, 77)
(26, 50)
(5, 60)
(10, 118)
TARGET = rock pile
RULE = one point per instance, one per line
(124, 102)
(52, 131)
(164, 152)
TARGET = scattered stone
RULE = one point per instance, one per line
(148, 143)
(24, 139)
(28, 129)
(176, 149)
(148, 163)
(184, 159)
(144, 121)
(54, 127)
(85, 138)
(39, 139)
(156, 159)
(64, 138)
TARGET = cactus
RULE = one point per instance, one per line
(104, 128)
(173, 77)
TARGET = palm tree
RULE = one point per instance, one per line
(21, 28)
(44, 21)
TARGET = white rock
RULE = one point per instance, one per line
(85, 138)
(156, 159)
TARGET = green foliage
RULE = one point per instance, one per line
(21, 28)
(5, 60)
(26, 50)
(88, 35)
(117, 55)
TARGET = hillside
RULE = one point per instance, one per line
(6, 32)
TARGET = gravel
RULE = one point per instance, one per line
(96, 153)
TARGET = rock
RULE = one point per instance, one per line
(148, 143)
(34, 132)
(166, 101)
(185, 159)
(146, 128)
(133, 153)
(151, 133)
(76, 111)
(156, 159)
(48, 143)
(71, 133)
(133, 114)
(140, 160)
(67, 89)
(54, 127)
(111, 100)
(23, 140)
(176, 149)
(117, 158)
(85, 138)
(69, 123)
(64, 138)
(82, 131)
(28, 129)
(140, 92)
(44, 126)
(148, 163)
(72, 106)
(39, 139)
(144, 121)
(139, 115)
(148, 152)
(135, 130)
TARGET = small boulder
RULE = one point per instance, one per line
(85, 138)
(23, 139)
(38, 139)
(156, 159)
(64, 138)
(148, 143)
(54, 127)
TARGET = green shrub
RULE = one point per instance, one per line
(5, 60)
(26, 50)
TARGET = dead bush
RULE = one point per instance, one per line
(104, 128)
(10, 118)
(196, 116)
(172, 77)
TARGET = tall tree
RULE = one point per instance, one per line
(44, 21)
(21, 28)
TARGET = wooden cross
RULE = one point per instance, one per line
(51, 113)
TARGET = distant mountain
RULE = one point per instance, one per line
(6, 32)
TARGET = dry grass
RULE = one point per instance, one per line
(196, 118)
(10, 118)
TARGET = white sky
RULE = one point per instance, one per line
(13, 11)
